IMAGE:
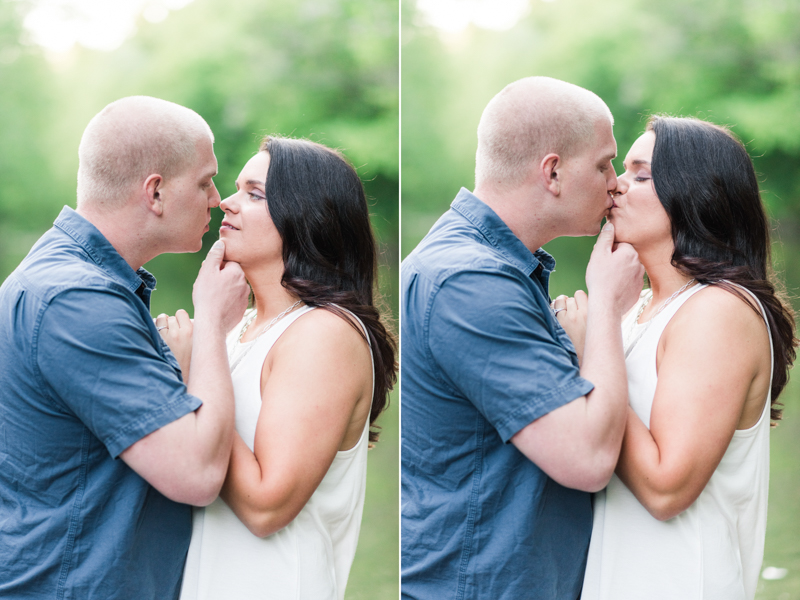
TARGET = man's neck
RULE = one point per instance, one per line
(524, 215)
(127, 241)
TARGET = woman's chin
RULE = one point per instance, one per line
(616, 222)
(621, 235)
(231, 255)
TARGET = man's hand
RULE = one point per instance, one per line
(220, 292)
(187, 459)
(614, 274)
(578, 444)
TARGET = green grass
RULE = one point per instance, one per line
(376, 573)
(783, 525)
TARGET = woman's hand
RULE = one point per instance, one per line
(177, 333)
(571, 313)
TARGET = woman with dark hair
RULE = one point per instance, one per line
(708, 348)
(312, 366)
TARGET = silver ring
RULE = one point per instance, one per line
(165, 326)
(558, 310)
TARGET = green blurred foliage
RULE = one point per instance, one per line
(733, 62)
(322, 69)
(326, 70)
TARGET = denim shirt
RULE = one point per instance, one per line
(482, 357)
(85, 375)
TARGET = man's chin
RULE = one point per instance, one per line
(191, 249)
(598, 227)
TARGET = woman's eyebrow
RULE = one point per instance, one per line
(637, 162)
(254, 182)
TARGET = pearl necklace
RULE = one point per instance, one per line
(238, 359)
(629, 345)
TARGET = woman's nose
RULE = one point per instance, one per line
(622, 184)
(228, 203)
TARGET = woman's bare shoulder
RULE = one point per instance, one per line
(716, 307)
(725, 301)
(326, 328)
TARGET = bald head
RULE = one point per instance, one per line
(131, 139)
(529, 119)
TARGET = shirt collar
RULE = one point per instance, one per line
(104, 255)
(497, 234)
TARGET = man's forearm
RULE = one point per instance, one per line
(604, 365)
(210, 380)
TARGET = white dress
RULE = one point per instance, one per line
(310, 558)
(714, 549)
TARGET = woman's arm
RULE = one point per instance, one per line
(316, 396)
(713, 362)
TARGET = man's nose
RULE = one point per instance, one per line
(613, 182)
(215, 199)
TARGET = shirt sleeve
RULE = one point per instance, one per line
(491, 337)
(100, 356)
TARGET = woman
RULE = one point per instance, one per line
(311, 366)
(708, 348)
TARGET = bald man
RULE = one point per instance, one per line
(87, 379)
(504, 431)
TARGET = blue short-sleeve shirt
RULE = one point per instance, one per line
(482, 357)
(85, 375)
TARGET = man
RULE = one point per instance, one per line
(485, 362)
(87, 379)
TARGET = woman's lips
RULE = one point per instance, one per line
(226, 225)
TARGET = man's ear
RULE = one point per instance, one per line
(550, 173)
(151, 192)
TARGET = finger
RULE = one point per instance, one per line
(173, 324)
(161, 321)
(605, 240)
(572, 306)
(216, 254)
(560, 302)
(234, 266)
(581, 299)
(183, 318)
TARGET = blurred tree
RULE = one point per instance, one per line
(734, 62)
(322, 69)
(24, 155)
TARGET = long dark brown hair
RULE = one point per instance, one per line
(317, 203)
(707, 184)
